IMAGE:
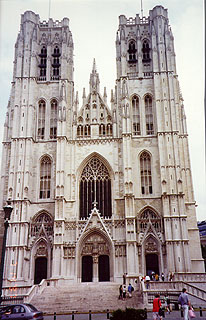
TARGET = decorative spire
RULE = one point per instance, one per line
(94, 79)
(105, 95)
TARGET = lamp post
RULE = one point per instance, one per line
(7, 214)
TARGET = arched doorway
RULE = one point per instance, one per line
(87, 269)
(152, 263)
(40, 269)
(95, 258)
(103, 268)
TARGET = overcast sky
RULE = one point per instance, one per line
(94, 24)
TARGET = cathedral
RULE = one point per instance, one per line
(99, 187)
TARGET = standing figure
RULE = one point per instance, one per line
(124, 290)
(130, 289)
(120, 292)
(163, 276)
(156, 308)
(185, 303)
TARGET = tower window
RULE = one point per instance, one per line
(145, 171)
(56, 64)
(45, 178)
(136, 116)
(41, 120)
(146, 51)
(149, 216)
(95, 187)
(149, 115)
(132, 52)
(43, 63)
(53, 119)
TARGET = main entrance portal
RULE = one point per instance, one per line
(40, 269)
(87, 269)
(95, 259)
(152, 264)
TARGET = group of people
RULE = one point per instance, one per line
(158, 310)
(125, 291)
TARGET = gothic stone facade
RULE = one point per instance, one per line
(97, 189)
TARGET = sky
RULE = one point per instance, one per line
(94, 24)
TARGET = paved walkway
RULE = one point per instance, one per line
(175, 315)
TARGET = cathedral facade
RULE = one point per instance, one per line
(100, 188)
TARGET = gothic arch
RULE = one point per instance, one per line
(41, 249)
(88, 158)
(146, 172)
(95, 187)
(94, 242)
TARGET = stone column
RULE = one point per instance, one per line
(95, 269)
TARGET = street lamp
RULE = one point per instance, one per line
(7, 214)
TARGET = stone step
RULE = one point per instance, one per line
(83, 297)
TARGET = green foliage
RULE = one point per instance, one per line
(129, 314)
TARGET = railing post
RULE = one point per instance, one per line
(90, 315)
(72, 315)
(107, 313)
(200, 311)
(55, 315)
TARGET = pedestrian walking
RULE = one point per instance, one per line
(157, 310)
(130, 289)
(124, 291)
(167, 303)
(147, 279)
(185, 303)
(120, 292)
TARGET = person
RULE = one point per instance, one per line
(156, 277)
(185, 303)
(120, 292)
(167, 303)
(124, 278)
(147, 279)
(124, 291)
(163, 276)
(130, 289)
(156, 307)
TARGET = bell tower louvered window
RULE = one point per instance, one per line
(43, 63)
(95, 188)
(45, 178)
(145, 171)
(145, 51)
(132, 52)
(136, 116)
(56, 64)
(53, 120)
(41, 120)
(149, 115)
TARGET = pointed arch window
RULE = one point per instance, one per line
(145, 51)
(149, 115)
(147, 216)
(42, 219)
(95, 187)
(56, 63)
(53, 119)
(145, 171)
(136, 116)
(41, 120)
(45, 178)
(43, 63)
(132, 52)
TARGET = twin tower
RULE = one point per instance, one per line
(98, 189)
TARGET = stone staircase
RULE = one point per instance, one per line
(82, 297)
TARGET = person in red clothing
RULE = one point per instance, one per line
(156, 307)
